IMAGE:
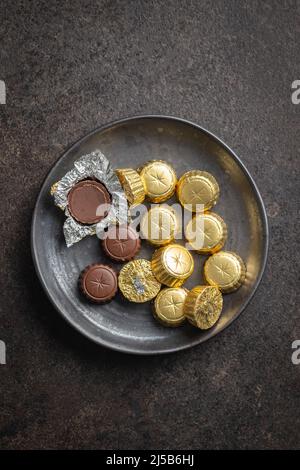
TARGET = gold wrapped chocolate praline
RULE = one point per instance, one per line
(159, 179)
(159, 225)
(197, 190)
(226, 270)
(172, 265)
(137, 282)
(132, 185)
(168, 306)
(206, 233)
(203, 306)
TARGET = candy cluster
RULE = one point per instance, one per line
(141, 280)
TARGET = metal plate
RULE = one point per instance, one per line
(122, 325)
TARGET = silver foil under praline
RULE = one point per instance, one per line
(93, 165)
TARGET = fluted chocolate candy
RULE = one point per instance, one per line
(98, 283)
(226, 270)
(203, 306)
(137, 282)
(206, 232)
(88, 201)
(159, 225)
(168, 307)
(172, 265)
(121, 243)
(159, 180)
(132, 184)
(197, 190)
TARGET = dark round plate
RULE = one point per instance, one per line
(126, 326)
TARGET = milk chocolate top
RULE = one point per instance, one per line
(121, 243)
(85, 200)
(98, 283)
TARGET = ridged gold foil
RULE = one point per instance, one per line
(159, 179)
(203, 306)
(206, 233)
(197, 187)
(132, 185)
(172, 265)
(137, 282)
(159, 225)
(226, 270)
(168, 307)
(53, 188)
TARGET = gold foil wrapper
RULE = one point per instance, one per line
(203, 306)
(137, 282)
(159, 180)
(168, 307)
(206, 233)
(159, 225)
(132, 185)
(197, 188)
(172, 265)
(53, 188)
(226, 270)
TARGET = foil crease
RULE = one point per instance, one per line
(92, 165)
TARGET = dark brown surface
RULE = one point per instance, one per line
(72, 66)
(121, 243)
(85, 200)
(98, 283)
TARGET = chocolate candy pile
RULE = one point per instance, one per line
(140, 280)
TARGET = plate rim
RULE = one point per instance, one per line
(137, 350)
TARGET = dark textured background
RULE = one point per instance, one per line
(72, 66)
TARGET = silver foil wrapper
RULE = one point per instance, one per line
(92, 165)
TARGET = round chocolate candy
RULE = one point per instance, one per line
(159, 225)
(168, 306)
(85, 200)
(206, 233)
(159, 179)
(203, 306)
(197, 190)
(98, 283)
(226, 270)
(121, 243)
(137, 282)
(172, 265)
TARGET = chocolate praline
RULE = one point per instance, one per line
(121, 243)
(98, 283)
(85, 200)
(137, 282)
